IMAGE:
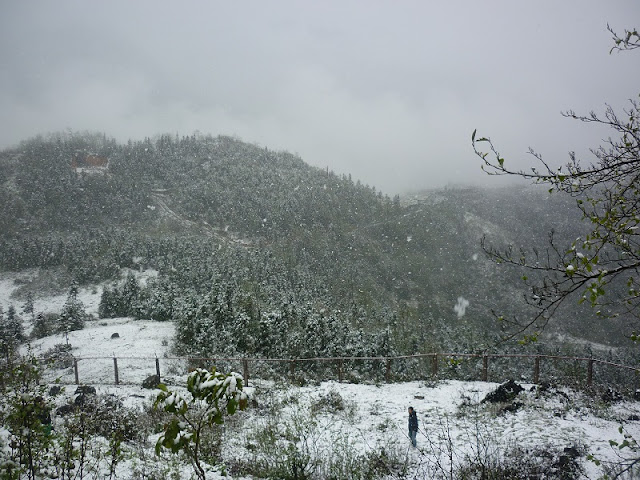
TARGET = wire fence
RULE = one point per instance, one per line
(536, 369)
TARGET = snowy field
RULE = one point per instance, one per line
(454, 421)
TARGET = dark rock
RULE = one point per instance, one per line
(65, 410)
(512, 408)
(151, 382)
(566, 463)
(571, 452)
(549, 389)
(611, 396)
(115, 335)
(83, 393)
(55, 390)
(85, 390)
(545, 387)
(504, 393)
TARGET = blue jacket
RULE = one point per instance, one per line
(413, 421)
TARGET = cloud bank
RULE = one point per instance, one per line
(387, 91)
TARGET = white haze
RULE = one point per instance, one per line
(387, 91)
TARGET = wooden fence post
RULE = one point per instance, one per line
(485, 368)
(115, 369)
(377, 363)
(245, 368)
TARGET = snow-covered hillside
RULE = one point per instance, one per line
(332, 424)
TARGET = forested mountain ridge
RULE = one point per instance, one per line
(253, 245)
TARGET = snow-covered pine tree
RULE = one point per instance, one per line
(41, 326)
(73, 315)
(28, 306)
(15, 329)
(107, 307)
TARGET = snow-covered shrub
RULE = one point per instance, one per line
(544, 461)
(26, 416)
(384, 462)
(330, 402)
(298, 443)
(109, 417)
(478, 453)
(95, 436)
(345, 458)
(44, 325)
(281, 448)
(9, 466)
(153, 467)
(210, 395)
(59, 356)
(211, 443)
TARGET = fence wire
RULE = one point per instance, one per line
(571, 371)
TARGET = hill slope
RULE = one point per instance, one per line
(270, 243)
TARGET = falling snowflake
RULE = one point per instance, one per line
(461, 307)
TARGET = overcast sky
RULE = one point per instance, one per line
(387, 91)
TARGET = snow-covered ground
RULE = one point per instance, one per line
(454, 422)
(135, 347)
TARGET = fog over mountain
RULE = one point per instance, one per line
(387, 91)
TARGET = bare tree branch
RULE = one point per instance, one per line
(601, 267)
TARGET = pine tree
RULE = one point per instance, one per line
(73, 314)
(15, 329)
(41, 327)
(5, 346)
(11, 332)
(28, 306)
(108, 307)
(129, 298)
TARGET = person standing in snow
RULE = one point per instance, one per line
(413, 426)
